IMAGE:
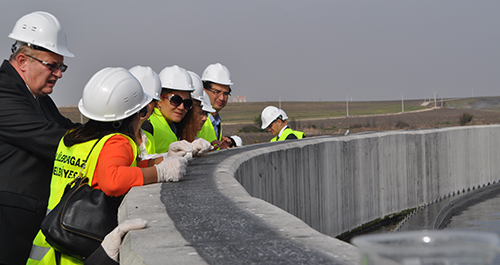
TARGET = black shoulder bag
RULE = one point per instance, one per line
(81, 220)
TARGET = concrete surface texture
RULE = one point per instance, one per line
(225, 211)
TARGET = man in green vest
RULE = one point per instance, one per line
(275, 120)
(216, 82)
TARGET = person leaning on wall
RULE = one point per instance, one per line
(175, 102)
(275, 120)
(109, 138)
(217, 84)
(151, 83)
(30, 129)
(201, 101)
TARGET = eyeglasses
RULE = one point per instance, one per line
(142, 113)
(217, 93)
(176, 101)
(52, 66)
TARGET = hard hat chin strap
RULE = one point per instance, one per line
(16, 46)
(278, 118)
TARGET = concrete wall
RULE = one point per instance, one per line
(335, 184)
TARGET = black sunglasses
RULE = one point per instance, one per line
(52, 66)
(176, 101)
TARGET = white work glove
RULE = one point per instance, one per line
(171, 169)
(113, 240)
(201, 147)
(179, 148)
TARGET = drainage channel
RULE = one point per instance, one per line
(474, 208)
(442, 212)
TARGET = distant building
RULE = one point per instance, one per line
(239, 98)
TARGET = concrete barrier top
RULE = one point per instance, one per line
(260, 203)
(209, 218)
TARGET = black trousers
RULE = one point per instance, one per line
(18, 228)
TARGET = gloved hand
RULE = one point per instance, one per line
(171, 169)
(201, 147)
(113, 240)
(179, 148)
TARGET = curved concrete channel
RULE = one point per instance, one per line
(437, 215)
(283, 203)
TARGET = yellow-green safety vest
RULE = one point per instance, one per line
(150, 144)
(207, 132)
(67, 165)
(287, 132)
(162, 133)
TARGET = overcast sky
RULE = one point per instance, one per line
(296, 50)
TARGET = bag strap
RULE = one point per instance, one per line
(87, 159)
(79, 179)
(57, 255)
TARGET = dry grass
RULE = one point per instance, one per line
(329, 118)
(367, 116)
(248, 111)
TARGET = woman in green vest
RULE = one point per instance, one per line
(202, 105)
(151, 84)
(175, 102)
(114, 102)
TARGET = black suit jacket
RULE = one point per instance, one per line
(29, 134)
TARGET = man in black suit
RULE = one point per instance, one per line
(31, 127)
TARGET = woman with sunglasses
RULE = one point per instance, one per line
(191, 124)
(173, 106)
(108, 141)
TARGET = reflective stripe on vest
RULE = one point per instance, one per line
(37, 252)
(162, 133)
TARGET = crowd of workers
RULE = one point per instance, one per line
(143, 128)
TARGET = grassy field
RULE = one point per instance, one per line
(329, 118)
(248, 111)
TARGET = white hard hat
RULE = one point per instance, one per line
(43, 30)
(112, 94)
(149, 79)
(176, 78)
(199, 93)
(217, 73)
(283, 115)
(197, 85)
(269, 114)
(237, 140)
(205, 103)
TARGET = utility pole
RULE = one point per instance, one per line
(402, 104)
(347, 104)
(435, 103)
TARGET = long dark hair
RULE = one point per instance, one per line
(97, 129)
(187, 128)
